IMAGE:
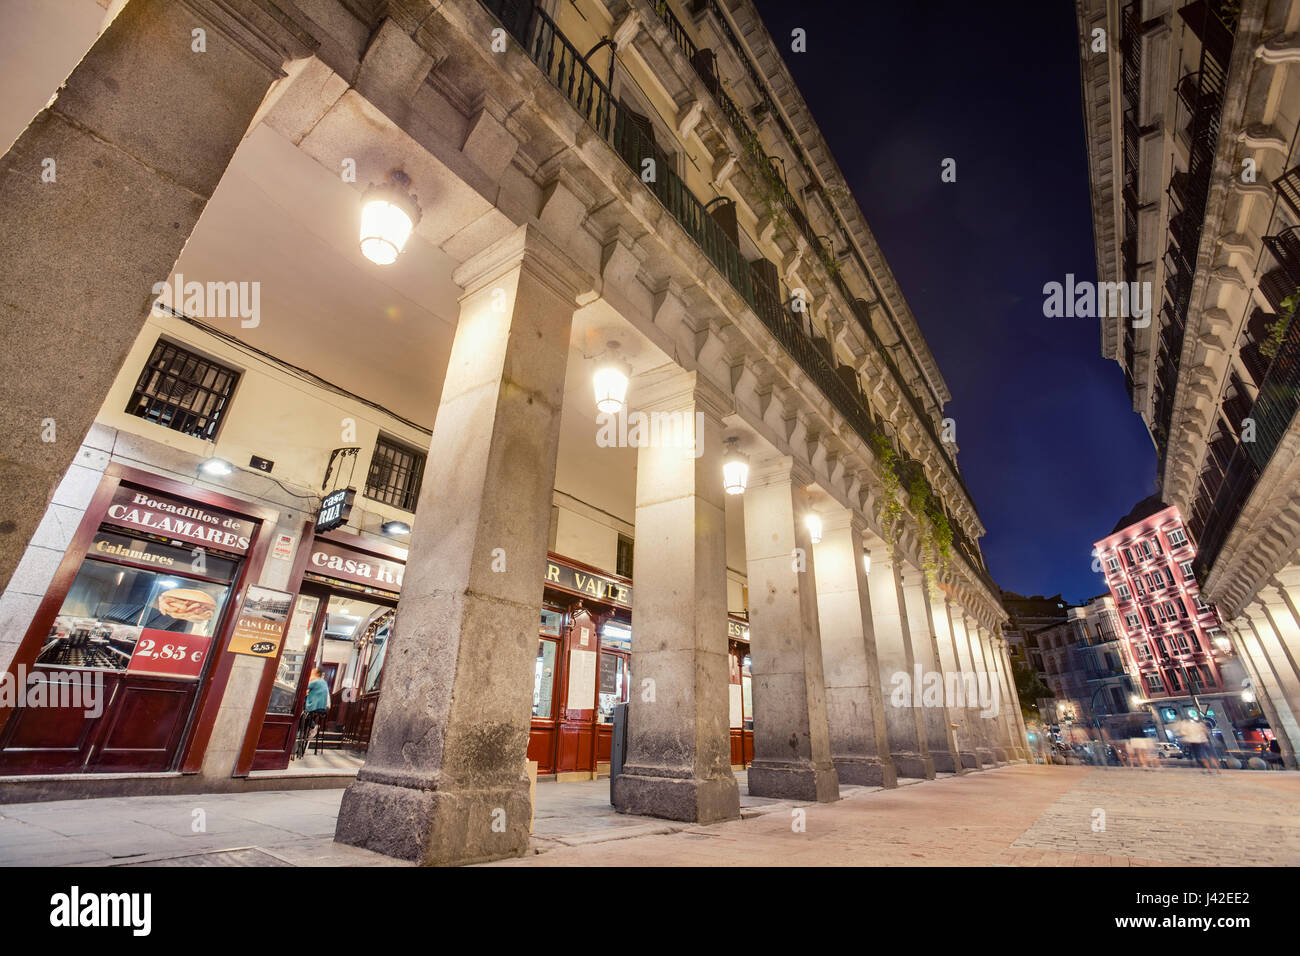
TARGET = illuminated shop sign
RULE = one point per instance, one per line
(335, 510)
(584, 582)
(174, 518)
(344, 564)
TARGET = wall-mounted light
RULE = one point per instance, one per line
(1223, 644)
(735, 469)
(1248, 696)
(866, 562)
(610, 382)
(813, 523)
(216, 468)
(396, 529)
(1135, 701)
(388, 214)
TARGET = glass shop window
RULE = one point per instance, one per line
(156, 620)
(552, 621)
(544, 679)
(383, 630)
(297, 641)
(616, 636)
(746, 689)
(612, 688)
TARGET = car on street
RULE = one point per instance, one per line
(1169, 751)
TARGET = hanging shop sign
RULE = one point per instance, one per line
(335, 561)
(584, 582)
(335, 510)
(176, 518)
(737, 630)
(259, 626)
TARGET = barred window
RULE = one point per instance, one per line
(395, 473)
(183, 391)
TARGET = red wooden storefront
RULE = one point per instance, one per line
(143, 605)
(584, 645)
(348, 592)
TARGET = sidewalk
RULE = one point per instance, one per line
(1015, 815)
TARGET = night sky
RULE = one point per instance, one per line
(1050, 448)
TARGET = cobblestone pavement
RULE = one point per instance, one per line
(1015, 815)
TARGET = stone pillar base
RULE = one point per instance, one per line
(1000, 756)
(986, 757)
(690, 799)
(943, 762)
(914, 765)
(969, 760)
(794, 781)
(865, 771)
(434, 827)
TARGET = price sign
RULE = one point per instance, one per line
(169, 654)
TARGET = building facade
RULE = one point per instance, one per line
(625, 198)
(1191, 113)
(1180, 660)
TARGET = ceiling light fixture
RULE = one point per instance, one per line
(389, 213)
(610, 382)
(735, 468)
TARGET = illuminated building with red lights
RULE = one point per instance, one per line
(1181, 662)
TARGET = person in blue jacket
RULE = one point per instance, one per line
(318, 704)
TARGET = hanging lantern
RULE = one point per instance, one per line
(735, 469)
(814, 524)
(388, 214)
(610, 382)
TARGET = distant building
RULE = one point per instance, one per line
(1029, 614)
(1177, 655)
(1084, 662)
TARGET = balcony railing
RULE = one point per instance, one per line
(1285, 247)
(787, 201)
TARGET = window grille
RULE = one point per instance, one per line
(395, 474)
(183, 391)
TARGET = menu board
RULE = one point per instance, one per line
(582, 680)
(259, 627)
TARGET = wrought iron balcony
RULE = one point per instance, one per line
(1273, 411)
(1285, 247)
(1288, 187)
(1277, 286)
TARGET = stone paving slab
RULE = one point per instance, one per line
(1019, 815)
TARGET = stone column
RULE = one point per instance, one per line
(792, 756)
(990, 687)
(1018, 715)
(963, 734)
(1008, 705)
(903, 721)
(855, 712)
(1280, 716)
(935, 717)
(97, 198)
(1272, 665)
(444, 780)
(979, 725)
(679, 740)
